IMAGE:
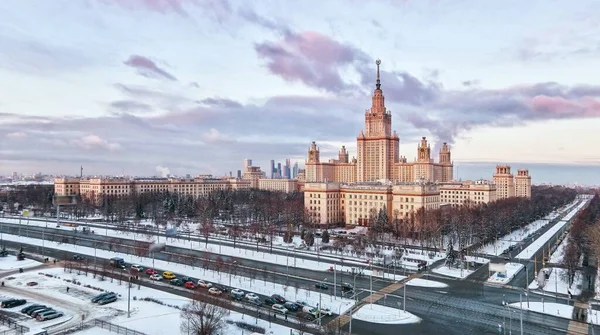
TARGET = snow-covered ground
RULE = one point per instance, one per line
(549, 308)
(148, 317)
(425, 283)
(10, 262)
(322, 264)
(457, 272)
(384, 314)
(255, 285)
(511, 270)
(557, 283)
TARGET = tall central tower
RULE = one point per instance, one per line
(378, 148)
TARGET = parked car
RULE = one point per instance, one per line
(255, 302)
(176, 282)
(322, 286)
(77, 257)
(156, 277)
(49, 315)
(137, 268)
(35, 313)
(10, 303)
(347, 287)
(107, 300)
(214, 291)
(311, 310)
(204, 284)
(191, 285)
(169, 275)
(292, 306)
(221, 288)
(102, 296)
(305, 316)
(279, 309)
(151, 272)
(31, 307)
(31, 311)
(280, 299)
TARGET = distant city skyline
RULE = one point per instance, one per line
(110, 89)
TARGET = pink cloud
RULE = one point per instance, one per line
(561, 107)
(147, 67)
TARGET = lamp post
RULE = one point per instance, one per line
(521, 308)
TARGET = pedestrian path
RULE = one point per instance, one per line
(578, 324)
(372, 298)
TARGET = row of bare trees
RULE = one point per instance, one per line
(584, 237)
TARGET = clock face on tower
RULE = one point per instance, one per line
(422, 150)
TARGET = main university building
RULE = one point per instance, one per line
(341, 190)
(353, 190)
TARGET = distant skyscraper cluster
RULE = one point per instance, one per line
(286, 171)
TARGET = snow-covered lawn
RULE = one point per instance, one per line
(10, 262)
(452, 271)
(549, 308)
(558, 254)
(511, 270)
(425, 283)
(385, 315)
(557, 284)
(149, 317)
(94, 331)
(255, 285)
(457, 272)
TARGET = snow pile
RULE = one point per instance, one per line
(10, 262)
(385, 315)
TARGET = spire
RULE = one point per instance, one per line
(378, 85)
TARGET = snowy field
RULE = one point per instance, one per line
(556, 283)
(146, 316)
(542, 240)
(10, 263)
(384, 315)
(511, 271)
(255, 285)
(458, 273)
(548, 308)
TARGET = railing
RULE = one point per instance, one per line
(115, 328)
(15, 328)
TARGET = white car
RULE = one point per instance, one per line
(156, 276)
(279, 309)
(138, 268)
(214, 291)
(237, 291)
(252, 297)
(204, 284)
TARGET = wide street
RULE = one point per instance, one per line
(465, 307)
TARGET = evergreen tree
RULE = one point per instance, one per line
(325, 237)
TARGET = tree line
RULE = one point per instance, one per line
(584, 238)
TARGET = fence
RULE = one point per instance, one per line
(115, 328)
(15, 328)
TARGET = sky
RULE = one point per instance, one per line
(140, 87)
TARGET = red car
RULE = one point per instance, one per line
(191, 285)
(151, 272)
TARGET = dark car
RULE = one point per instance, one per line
(10, 303)
(78, 257)
(187, 279)
(280, 299)
(291, 306)
(107, 300)
(306, 316)
(257, 303)
(102, 296)
(221, 288)
(346, 287)
(31, 307)
(31, 311)
(177, 282)
(322, 286)
(271, 301)
(40, 311)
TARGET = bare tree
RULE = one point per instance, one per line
(205, 315)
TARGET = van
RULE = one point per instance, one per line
(310, 310)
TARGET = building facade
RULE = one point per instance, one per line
(378, 154)
(508, 185)
(470, 192)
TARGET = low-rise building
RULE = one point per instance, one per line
(474, 192)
